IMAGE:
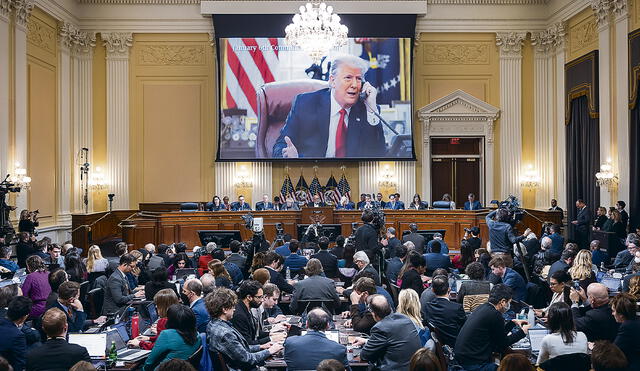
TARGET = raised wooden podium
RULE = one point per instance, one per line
(310, 215)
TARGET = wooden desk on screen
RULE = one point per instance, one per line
(169, 226)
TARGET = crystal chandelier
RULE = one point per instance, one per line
(530, 180)
(316, 31)
(606, 177)
(20, 178)
(96, 180)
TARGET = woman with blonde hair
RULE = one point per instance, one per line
(409, 305)
(94, 261)
(163, 300)
(582, 270)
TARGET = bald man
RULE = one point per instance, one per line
(595, 319)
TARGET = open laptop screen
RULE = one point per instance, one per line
(535, 338)
(96, 344)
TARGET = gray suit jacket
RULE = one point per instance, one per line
(314, 288)
(117, 293)
(417, 240)
(392, 342)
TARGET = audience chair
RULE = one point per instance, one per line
(573, 362)
(274, 103)
(441, 205)
(439, 349)
(95, 298)
(194, 359)
(189, 206)
(219, 363)
(393, 290)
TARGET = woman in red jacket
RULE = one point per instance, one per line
(163, 300)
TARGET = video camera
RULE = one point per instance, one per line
(512, 205)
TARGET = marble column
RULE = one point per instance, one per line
(406, 180)
(602, 10)
(560, 127)
(544, 43)
(22, 10)
(621, 16)
(117, 45)
(5, 72)
(510, 44)
(262, 180)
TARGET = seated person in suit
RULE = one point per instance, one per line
(390, 242)
(264, 204)
(472, 203)
(269, 311)
(596, 319)
(437, 237)
(361, 260)
(345, 204)
(417, 203)
(250, 296)
(307, 351)
(225, 203)
(13, 344)
(315, 287)
(216, 204)
(69, 302)
(509, 277)
(393, 339)
(445, 315)
(361, 319)
(316, 202)
(338, 249)
(5, 259)
(117, 293)
(415, 237)
(379, 202)
(56, 354)
(295, 262)
(393, 204)
(341, 124)
(328, 260)
(240, 205)
(274, 262)
(412, 278)
(367, 203)
(225, 340)
(436, 259)
(394, 265)
(624, 309)
(192, 290)
(290, 204)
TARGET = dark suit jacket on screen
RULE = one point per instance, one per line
(308, 128)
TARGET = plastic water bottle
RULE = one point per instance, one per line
(288, 273)
(531, 317)
(113, 352)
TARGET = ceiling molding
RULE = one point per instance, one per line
(488, 2)
(140, 2)
(291, 7)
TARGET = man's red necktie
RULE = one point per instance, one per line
(341, 136)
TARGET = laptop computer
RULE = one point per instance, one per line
(153, 313)
(96, 344)
(536, 334)
(185, 273)
(122, 330)
(612, 283)
(124, 354)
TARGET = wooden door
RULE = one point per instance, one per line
(466, 179)
(441, 178)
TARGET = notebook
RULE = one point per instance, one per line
(96, 344)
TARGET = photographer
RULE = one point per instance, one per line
(472, 235)
(367, 237)
(28, 221)
(501, 234)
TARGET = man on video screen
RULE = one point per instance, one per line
(336, 121)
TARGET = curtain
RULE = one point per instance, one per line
(634, 163)
(583, 159)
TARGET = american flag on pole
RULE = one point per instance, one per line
(249, 64)
(331, 191)
(315, 188)
(287, 190)
(343, 187)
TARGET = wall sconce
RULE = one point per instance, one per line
(96, 180)
(530, 179)
(606, 177)
(243, 178)
(20, 178)
(386, 178)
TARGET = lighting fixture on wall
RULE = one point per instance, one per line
(530, 179)
(606, 176)
(20, 178)
(243, 178)
(96, 180)
(316, 30)
(386, 179)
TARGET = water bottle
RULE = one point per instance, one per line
(531, 317)
(113, 352)
(288, 273)
(135, 325)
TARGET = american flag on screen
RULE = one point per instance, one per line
(287, 189)
(315, 188)
(343, 187)
(249, 64)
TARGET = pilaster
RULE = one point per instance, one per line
(262, 175)
(621, 17)
(602, 11)
(368, 178)
(406, 180)
(117, 45)
(224, 175)
(510, 44)
(5, 13)
(560, 127)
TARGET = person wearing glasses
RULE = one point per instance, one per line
(118, 293)
(250, 296)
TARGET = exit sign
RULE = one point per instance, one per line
(454, 141)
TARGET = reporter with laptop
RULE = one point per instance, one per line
(56, 354)
(117, 292)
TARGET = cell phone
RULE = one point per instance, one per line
(576, 285)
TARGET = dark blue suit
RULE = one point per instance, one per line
(348, 206)
(202, 315)
(514, 280)
(13, 345)
(435, 261)
(475, 206)
(236, 206)
(394, 206)
(308, 128)
(306, 352)
(260, 206)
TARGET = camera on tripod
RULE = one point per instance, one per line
(512, 205)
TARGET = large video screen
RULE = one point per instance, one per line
(277, 104)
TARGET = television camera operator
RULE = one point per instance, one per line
(257, 243)
(501, 232)
(367, 236)
(6, 229)
(29, 222)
